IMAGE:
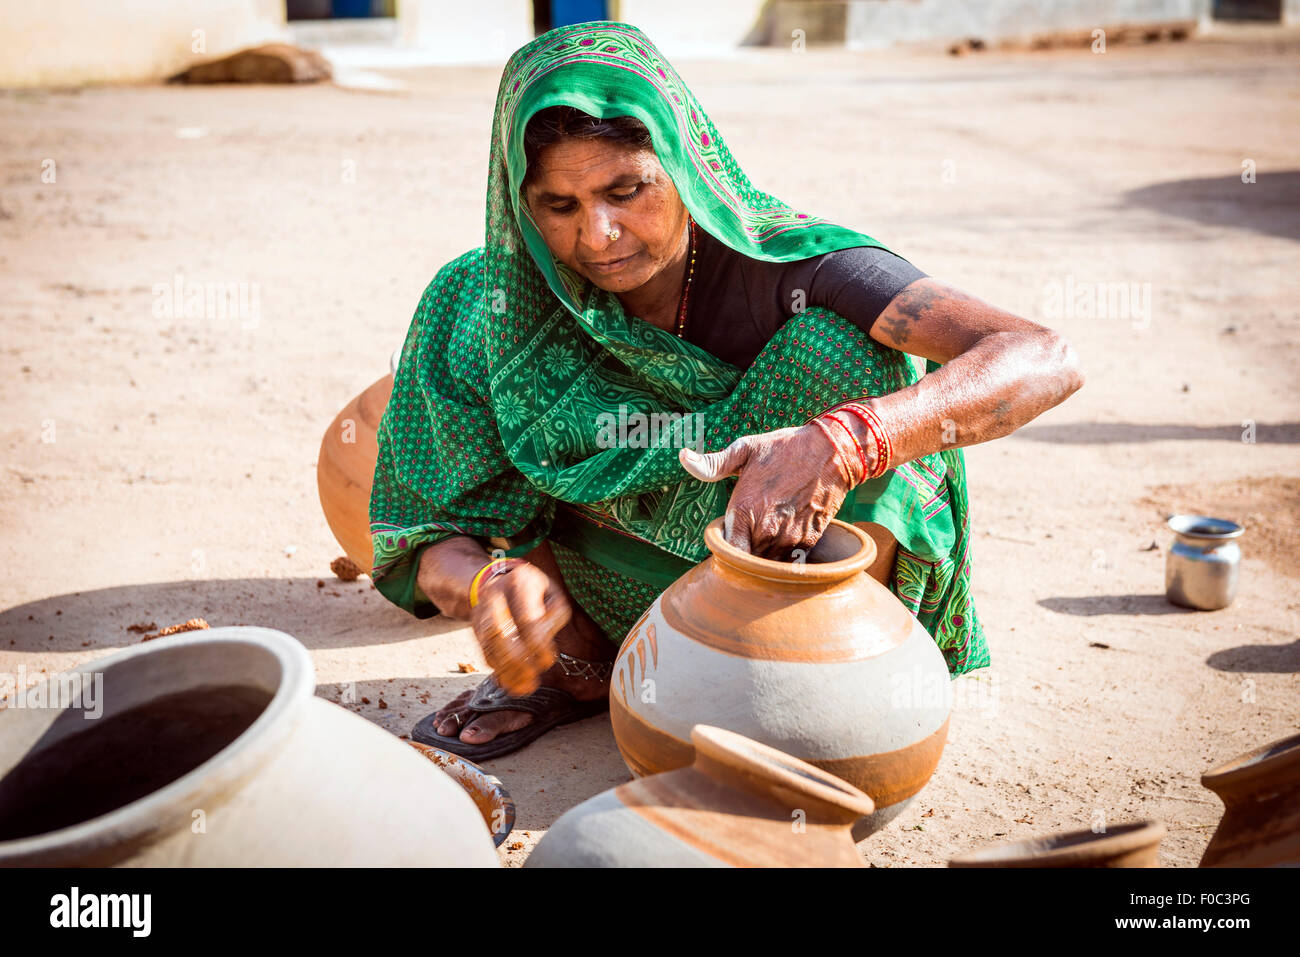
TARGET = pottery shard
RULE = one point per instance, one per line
(194, 624)
(272, 63)
(345, 569)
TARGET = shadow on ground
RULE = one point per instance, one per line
(336, 615)
(1089, 605)
(1100, 433)
(1272, 659)
(1270, 205)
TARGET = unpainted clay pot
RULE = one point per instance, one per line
(212, 750)
(740, 804)
(1128, 845)
(489, 795)
(1261, 819)
(816, 659)
(345, 470)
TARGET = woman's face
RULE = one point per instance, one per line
(585, 188)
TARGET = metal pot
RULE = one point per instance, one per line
(1201, 570)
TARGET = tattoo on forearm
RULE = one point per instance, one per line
(908, 306)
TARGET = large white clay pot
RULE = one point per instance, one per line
(816, 659)
(212, 750)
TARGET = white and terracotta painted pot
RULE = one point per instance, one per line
(739, 804)
(816, 659)
(212, 750)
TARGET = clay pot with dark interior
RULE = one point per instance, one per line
(1260, 791)
(211, 749)
(1127, 845)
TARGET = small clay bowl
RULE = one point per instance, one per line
(1126, 845)
(489, 794)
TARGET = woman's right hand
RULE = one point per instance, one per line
(515, 621)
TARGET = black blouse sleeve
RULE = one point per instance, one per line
(741, 303)
(858, 283)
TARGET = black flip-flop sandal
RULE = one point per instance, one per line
(550, 708)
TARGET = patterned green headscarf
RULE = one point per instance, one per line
(551, 376)
(512, 358)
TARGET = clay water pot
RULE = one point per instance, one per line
(740, 804)
(345, 470)
(489, 795)
(1261, 797)
(816, 659)
(1128, 845)
(212, 750)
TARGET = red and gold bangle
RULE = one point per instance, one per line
(884, 446)
(857, 446)
(880, 435)
(496, 566)
(840, 455)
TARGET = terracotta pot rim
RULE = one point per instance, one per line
(250, 750)
(1058, 849)
(1246, 768)
(474, 779)
(771, 764)
(810, 573)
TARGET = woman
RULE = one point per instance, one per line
(631, 271)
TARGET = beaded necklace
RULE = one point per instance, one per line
(684, 303)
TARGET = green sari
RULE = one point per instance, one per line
(513, 360)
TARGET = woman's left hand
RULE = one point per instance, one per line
(792, 482)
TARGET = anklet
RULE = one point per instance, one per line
(580, 668)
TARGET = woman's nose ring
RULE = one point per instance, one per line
(614, 234)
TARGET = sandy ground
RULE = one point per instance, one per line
(158, 469)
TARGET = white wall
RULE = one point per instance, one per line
(879, 23)
(77, 42)
(691, 27)
(487, 31)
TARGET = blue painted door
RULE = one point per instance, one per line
(565, 12)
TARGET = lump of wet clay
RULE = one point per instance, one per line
(345, 569)
(194, 624)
